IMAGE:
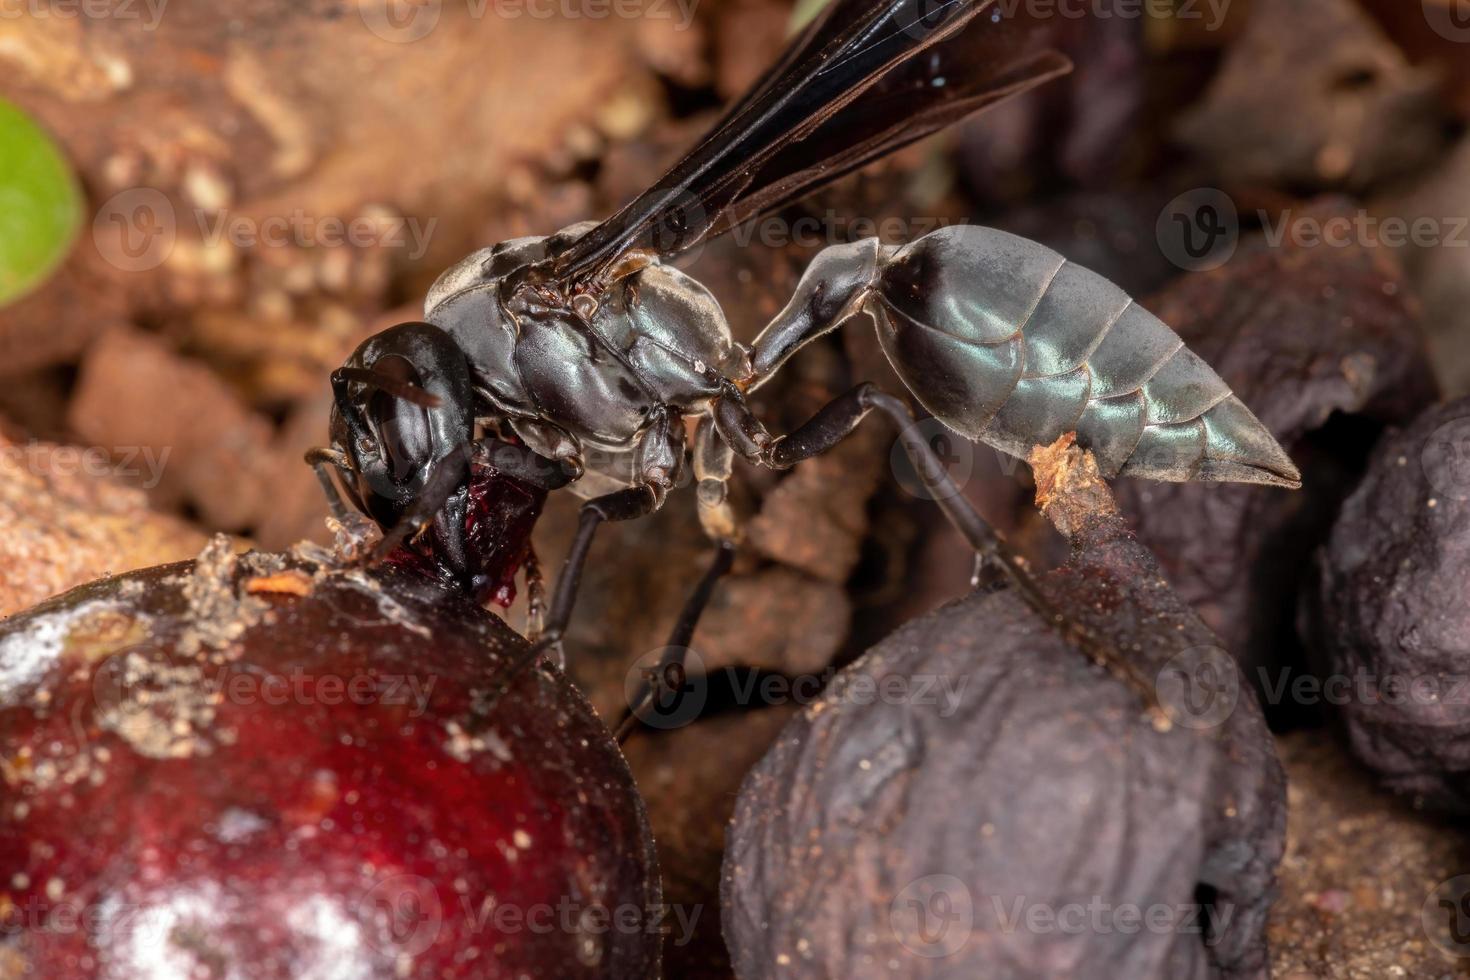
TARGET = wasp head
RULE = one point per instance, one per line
(404, 422)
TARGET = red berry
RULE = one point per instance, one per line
(259, 768)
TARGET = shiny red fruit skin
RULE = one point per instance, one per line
(207, 775)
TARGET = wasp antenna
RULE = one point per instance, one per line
(402, 390)
(319, 458)
(323, 454)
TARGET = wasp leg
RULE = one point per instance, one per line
(713, 463)
(836, 421)
(620, 505)
(671, 664)
(535, 595)
(660, 457)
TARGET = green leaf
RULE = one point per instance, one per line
(804, 13)
(40, 204)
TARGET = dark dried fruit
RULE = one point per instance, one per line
(1360, 114)
(1393, 617)
(1324, 345)
(1438, 266)
(209, 774)
(1432, 34)
(974, 798)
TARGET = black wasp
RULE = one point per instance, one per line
(574, 360)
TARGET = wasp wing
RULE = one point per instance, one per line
(882, 122)
(866, 77)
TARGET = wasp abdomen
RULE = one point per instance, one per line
(1007, 342)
